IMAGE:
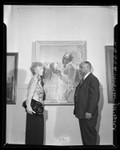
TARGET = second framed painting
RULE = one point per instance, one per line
(11, 78)
(61, 60)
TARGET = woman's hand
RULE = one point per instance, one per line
(29, 110)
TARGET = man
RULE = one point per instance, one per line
(86, 104)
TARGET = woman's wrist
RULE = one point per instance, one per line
(28, 107)
(28, 104)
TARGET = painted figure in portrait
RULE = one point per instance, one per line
(61, 61)
(61, 79)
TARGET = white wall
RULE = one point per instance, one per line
(27, 24)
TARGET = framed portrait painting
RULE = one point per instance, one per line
(11, 78)
(109, 57)
(61, 60)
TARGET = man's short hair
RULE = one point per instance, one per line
(88, 63)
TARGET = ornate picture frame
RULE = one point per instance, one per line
(11, 78)
(51, 53)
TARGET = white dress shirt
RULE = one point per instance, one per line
(86, 75)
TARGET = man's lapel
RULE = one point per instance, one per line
(86, 79)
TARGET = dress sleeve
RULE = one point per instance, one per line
(31, 89)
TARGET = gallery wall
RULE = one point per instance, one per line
(27, 24)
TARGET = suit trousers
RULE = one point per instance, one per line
(88, 131)
(34, 130)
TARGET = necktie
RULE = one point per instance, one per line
(79, 85)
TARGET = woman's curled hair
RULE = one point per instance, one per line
(34, 65)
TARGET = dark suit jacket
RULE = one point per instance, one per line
(86, 97)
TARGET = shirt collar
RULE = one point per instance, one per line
(86, 75)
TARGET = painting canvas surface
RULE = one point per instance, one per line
(60, 90)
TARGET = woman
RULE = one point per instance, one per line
(35, 123)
